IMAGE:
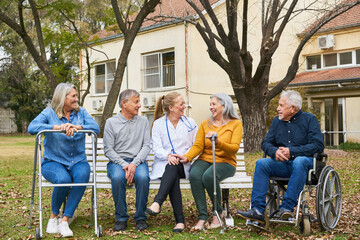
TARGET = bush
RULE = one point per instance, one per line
(350, 146)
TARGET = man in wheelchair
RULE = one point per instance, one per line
(293, 138)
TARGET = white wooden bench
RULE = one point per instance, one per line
(239, 180)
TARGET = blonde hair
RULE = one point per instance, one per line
(163, 103)
(58, 99)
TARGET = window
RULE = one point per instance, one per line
(330, 60)
(345, 58)
(104, 77)
(313, 62)
(159, 70)
(341, 59)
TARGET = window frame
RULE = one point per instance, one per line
(106, 76)
(161, 69)
(338, 65)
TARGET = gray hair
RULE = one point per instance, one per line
(293, 98)
(127, 94)
(58, 99)
(226, 101)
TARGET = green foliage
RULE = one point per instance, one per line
(66, 27)
(27, 94)
(350, 146)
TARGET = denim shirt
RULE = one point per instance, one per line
(301, 134)
(58, 147)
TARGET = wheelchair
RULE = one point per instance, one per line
(323, 183)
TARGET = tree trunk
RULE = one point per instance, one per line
(113, 96)
(253, 108)
(254, 124)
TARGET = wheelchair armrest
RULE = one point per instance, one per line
(319, 161)
(321, 157)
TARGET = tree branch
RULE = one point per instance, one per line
(245, 26)
(118, 15)
(38, 28)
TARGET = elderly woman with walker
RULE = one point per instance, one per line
(64, 159)
(223, 131)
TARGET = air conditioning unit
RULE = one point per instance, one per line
(149, 101)
(97, 104)
(326, 42)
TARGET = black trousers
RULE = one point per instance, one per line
(170, 185)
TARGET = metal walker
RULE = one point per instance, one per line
(92, 182)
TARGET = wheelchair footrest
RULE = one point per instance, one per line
(256, 226)
(278, 220)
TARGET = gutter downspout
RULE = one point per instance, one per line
(186, 68)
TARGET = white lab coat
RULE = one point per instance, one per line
(182, 138)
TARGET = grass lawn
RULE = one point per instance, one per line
(16, 163)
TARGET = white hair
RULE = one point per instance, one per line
(293, 98)
(225, 100)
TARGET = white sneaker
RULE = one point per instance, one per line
(53, 225)
(65, 230)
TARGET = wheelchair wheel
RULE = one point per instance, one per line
(328, 198)
(304, 226)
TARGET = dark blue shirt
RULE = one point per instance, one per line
(301, 134)
(58, 147)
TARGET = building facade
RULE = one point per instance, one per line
(172, 56)
(330, 77)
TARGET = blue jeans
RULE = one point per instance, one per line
(55, 172)
(296, 170)
(118, 185)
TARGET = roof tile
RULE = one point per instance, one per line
(327, 75)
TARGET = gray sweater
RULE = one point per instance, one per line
(127, 139)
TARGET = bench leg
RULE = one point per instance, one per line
(225, 200)
(229, 221)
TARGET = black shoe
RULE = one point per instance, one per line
(178, 230)
(141, 225)
(285, 214)
(151, 212)
(253, 215)
(120, 226)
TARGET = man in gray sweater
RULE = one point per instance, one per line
(126, 145)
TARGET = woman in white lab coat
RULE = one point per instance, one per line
(172, 133)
